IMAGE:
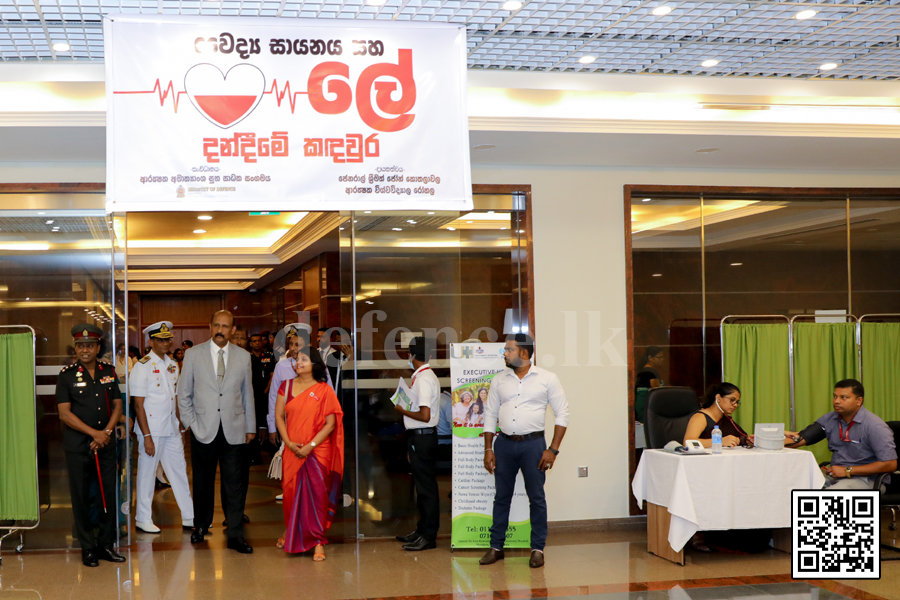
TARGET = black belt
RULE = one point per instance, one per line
(422, 431)
(522, 438)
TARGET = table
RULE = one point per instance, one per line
(741, 488)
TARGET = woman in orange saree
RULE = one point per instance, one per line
(309, 419)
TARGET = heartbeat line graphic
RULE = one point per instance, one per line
(285, 91)
(163, 94)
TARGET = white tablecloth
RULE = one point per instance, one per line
(738, 489)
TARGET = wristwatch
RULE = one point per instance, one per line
(312, 444)
(554, 451)
(849, 471)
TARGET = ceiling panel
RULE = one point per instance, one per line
(747, 38)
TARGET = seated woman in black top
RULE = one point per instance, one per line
(721, 401)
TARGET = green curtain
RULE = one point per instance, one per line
(18, 445)
(881, 376)
(824, 353)
(756, 359)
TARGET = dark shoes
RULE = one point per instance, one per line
(245, 519)
(89, 558)
(109, 554)
(491, 557)
(407, 539)
(419, 544)
(199, 534)
(241, 545)
(537, 559)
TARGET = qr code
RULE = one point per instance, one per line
(836, 534)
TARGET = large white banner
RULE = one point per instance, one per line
(472, 369)
(218, 113)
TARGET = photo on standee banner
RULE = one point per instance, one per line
(835, 534)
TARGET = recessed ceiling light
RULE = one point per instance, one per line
(61, 47)
(49, 223)
(397, 228)
(369, 302)
(376, 2)
(706, 150)
(204, 218)
(709, 63)
(828, 66)
(42, 213)
(199, 231)
(521, 231)
(805, 14)
(340, 228)
(512, 5)
(483, 147)
(451, 229)
(657, 274)
(411, 222)
(661, 11)
(586, 60)
(368, 212)
(431, 213)
(28, 298)
(736, 264)
(646, 200)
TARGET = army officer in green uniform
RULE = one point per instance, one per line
(90, 405)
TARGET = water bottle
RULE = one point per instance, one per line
(717, 440)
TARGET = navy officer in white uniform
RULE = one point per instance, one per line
(152, 384)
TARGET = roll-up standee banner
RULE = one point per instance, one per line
(229, 113)
(472, 368)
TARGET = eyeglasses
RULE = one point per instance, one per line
(734, 401)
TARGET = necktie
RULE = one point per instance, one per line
(220, 370)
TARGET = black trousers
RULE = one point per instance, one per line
(82, 468)
(231, 460)
(422, 461)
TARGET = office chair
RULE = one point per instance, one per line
(667, 414)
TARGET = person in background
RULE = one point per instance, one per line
(518, 401)
(445, 422)
(187, 344)
(90, 404)
(310, 421)
(296, 339)
(421, 440)
(124, 363)
(334, 359)
(178, 357)
(152, 385)
(648, 375)
(720, 403)
(861, 444)
(262, 364)
(239, 338)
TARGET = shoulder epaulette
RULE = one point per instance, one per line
(145, 360)
(66, 368)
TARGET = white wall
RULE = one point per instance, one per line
(579, 267)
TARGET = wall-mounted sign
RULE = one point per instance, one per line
(217, 113)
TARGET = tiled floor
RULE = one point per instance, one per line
(615, 565)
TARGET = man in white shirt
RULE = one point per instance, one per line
(152, 385)
(518, 401)
(421, 438)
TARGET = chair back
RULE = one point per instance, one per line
(891, 495)
(667, 414)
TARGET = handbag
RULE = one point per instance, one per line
(275, 466)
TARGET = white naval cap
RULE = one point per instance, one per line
(294, 328)
(161, 330)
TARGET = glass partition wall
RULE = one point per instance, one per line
(699, 256)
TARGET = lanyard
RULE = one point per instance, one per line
(417, 373)
(845, 437)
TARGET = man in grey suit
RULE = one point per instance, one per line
(215, 398)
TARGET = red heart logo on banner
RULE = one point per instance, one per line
(224, 98)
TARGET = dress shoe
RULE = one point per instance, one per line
(419, 544)
(537, 559)
(147, 527)
(491, 557)
(89, 559)
(110, 555)
(198, 534)
(187, 524)
(279, 498)
(161, 485)
(407, 539)
(241, 545)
